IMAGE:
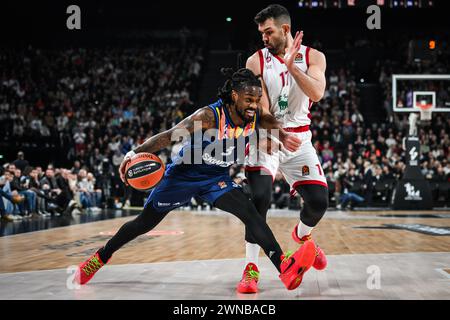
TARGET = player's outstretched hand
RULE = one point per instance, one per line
(290, 142)
(292, 49)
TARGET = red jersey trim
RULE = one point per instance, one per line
(261, 62)
(307, 56)
(309, 109)
(318, 182)
(297, 129)
(278, 58)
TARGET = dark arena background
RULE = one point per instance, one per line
(73, 102)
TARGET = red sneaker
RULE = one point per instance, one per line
(321, 260)
(294, 266)
(87, 269)
(249, 281)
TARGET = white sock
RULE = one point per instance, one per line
(251, 253)
(303, 230)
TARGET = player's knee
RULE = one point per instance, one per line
(319, 205)
(261, 190)
(315, 197)
(316, 205)
(145, 221)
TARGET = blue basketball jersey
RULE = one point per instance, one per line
(210, 178)
(212, 154)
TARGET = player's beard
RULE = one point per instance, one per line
(277, 48)
(243, 116)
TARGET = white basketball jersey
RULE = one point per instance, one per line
(288, 103)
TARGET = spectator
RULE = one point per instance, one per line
(11, 198)
(52, 190)
(349, 188)
(20, 162)
(85, 190)
(439, 175)
(280, 192)
(28, 208)
(327, 152)
(368, 182)
(76, 167)
(96, 194)
(35, 186)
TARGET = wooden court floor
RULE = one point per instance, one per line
(187, 236)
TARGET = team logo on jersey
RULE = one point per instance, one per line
(222, 184)
(298, 58)
(283, 102)
(305, 171)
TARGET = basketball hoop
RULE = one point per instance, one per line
(426, 109)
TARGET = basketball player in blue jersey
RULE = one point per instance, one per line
(236, 115)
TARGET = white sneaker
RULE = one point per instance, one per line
(72, 202)
(127, 205)
(76, 211)
(8, 217)
(17, 217)
(96, 209)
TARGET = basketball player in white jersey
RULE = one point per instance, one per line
(293, 77)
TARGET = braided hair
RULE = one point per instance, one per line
(236, 81)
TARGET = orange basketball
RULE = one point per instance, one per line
(144, 171)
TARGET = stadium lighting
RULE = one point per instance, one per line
(228, 19)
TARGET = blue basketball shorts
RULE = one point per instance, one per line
(173, 191)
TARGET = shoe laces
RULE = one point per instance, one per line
(286, 256)
(92, 266)
(251, 275)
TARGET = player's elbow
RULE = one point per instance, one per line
(316, 96)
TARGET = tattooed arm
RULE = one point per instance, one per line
(205, 119)
(164, 139)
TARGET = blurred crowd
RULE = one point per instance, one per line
(91, 102)
(94, 105)
(27, 191)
